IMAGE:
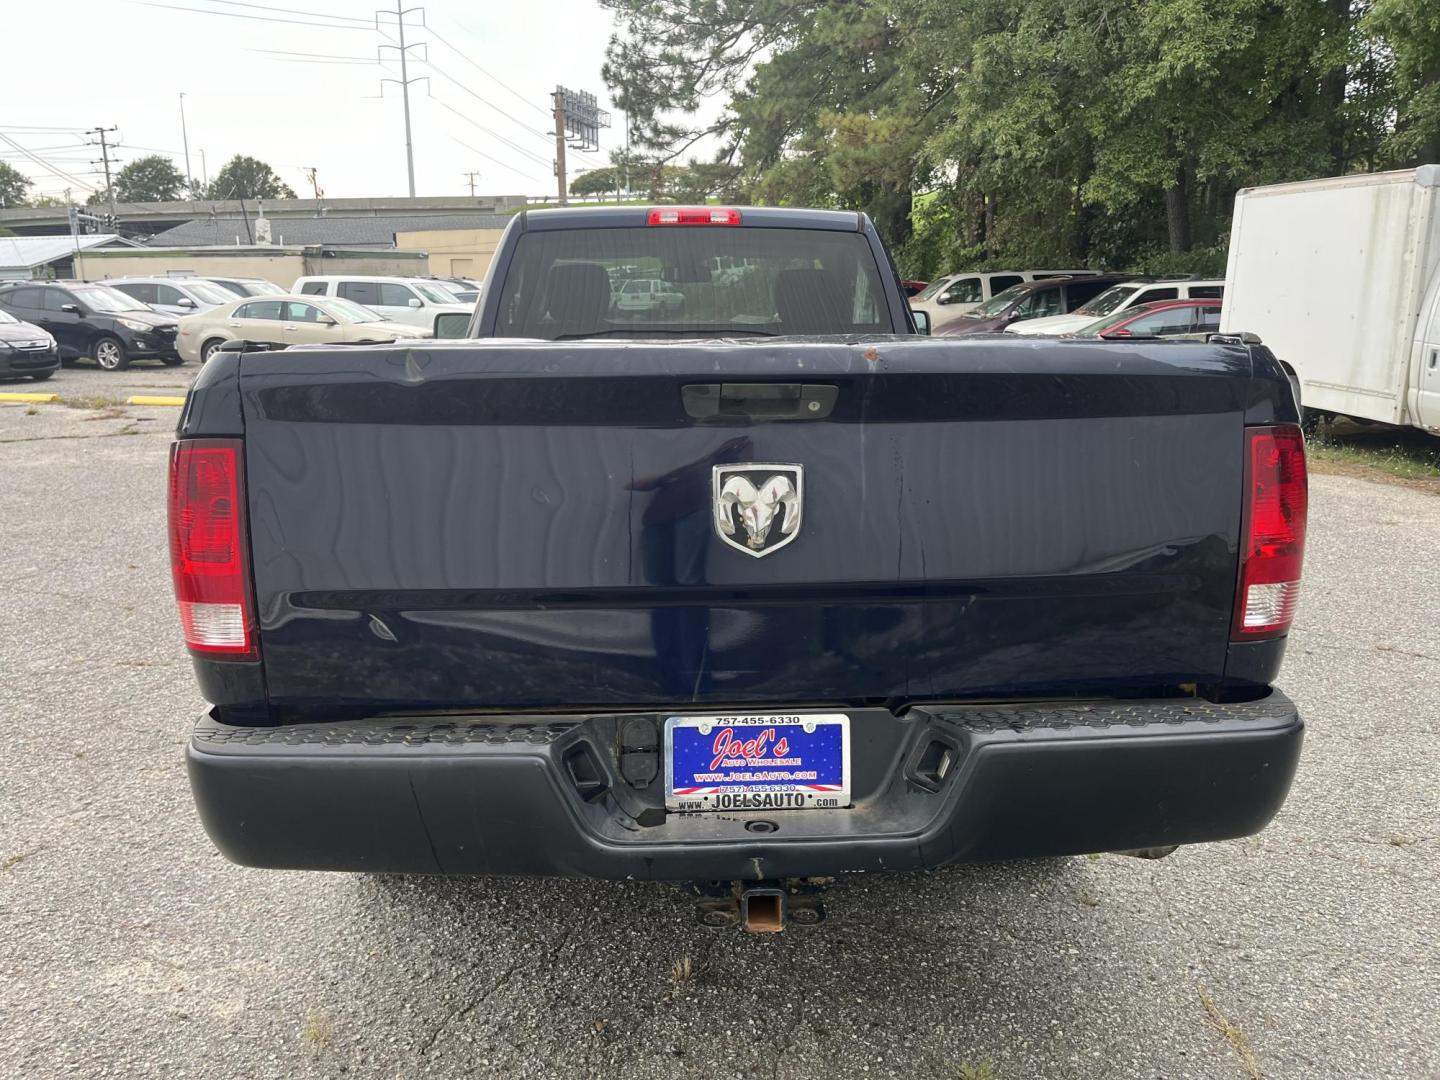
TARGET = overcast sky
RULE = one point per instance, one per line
(75, 64)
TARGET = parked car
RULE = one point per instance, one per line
(288, 320)
(955, 294)
(26, 349)
(659, 615)
(173, 296)
(459, 284)
(648, 294)
(415, 301)
(1121, 297)
(1030, 300)
(913, 287)
(1159, 319)
(466, 292)
(1341, 277)
(94, 320)
(247, 286)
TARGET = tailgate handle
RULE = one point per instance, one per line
(759, 401)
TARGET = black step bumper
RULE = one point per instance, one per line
(544, 795)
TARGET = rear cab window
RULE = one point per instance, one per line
(690, 281)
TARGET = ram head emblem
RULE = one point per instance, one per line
(758, 507)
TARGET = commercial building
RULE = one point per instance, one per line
(459, 245)
(143, 218)
(281, 264)
(26, 257)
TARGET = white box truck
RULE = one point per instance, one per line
(1341, 279)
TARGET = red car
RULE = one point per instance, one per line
(913, 287)
(1158, 319)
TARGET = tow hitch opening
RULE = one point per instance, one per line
(762, 909)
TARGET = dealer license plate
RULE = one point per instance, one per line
(762, 761)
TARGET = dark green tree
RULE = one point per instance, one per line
(150, 179)
(600, 181)
(248, 178)
(982, 133)
(1405, 36)
(13, 185)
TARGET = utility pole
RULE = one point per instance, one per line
(105, 159)
(627, 154)
(311, 174)
(185, 137)
(558, 100)
(471, 177)
(404, 50)
(204, 173)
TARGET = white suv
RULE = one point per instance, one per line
(954, 294)
(1127, 294)
(415, 301)
(648, 294)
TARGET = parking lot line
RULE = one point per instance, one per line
(147, 399)
(41, 398)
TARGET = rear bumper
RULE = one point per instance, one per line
(543, 795)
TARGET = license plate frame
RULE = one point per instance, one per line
(813, 780)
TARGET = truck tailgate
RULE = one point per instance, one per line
(517, 525)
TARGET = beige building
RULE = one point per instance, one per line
(278, 264)
(453, 252)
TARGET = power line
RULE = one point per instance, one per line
(327, 63)
(497, 161)
(45, 165)
(484, 101)
(316, 56)
(256, 18)
(493, 134)
(47, 130)
(288, 11)
(504, 85)
(147, 149)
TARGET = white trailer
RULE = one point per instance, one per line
(1341, 279)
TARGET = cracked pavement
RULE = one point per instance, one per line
(131, 949)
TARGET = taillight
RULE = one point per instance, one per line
(1272, 531)
(208, 557)
(694, 215)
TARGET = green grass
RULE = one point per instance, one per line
(1400, 453)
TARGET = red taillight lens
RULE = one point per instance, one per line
(694, 215)
(1272, 531)
(208, 558)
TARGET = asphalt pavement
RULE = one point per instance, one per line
(129, 948)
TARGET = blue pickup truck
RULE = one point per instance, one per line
(751, 584)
